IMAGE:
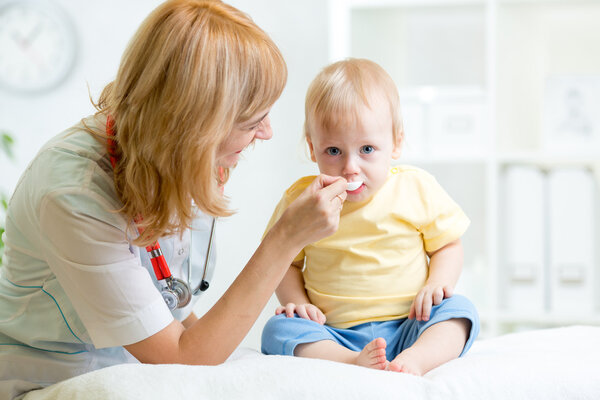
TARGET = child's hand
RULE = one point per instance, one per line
(430, 295)
(306, 311)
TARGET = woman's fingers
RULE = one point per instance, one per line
(331, 187)
(315, 214)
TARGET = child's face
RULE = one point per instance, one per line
(362, 152)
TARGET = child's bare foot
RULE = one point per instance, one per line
(373, 355)
(406, 362)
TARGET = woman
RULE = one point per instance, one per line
(194, 89)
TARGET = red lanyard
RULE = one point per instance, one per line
(161, 268)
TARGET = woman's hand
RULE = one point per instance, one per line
(306, 311)
(430, 295)
(315, 214)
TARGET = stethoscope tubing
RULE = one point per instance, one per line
(203, 285)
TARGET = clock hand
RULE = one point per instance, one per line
(19, 40)
(32, 34)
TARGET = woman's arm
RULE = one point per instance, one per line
(213, 337)
(445, 266)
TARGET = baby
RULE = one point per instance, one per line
(378, 292)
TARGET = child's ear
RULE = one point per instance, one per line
(398, 141)
(310, 147)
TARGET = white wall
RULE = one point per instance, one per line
(104, 28)
(300, 30)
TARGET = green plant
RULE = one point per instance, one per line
(6, 146)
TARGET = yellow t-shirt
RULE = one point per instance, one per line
(374, 265)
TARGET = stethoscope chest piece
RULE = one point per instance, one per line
(176, 294)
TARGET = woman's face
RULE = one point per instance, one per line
(242, 135)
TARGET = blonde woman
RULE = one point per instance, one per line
(85, 284)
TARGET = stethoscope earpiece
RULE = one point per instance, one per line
(203, 285)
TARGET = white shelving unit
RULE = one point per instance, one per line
(478, 82)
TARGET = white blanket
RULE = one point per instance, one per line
(561, 363)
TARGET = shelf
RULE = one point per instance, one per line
(545, 2)
(357, 4)
(549, 161)
(486, 85)
(441, 160)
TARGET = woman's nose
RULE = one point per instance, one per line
(264, 131)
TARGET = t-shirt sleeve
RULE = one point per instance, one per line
(85, 245)
(444, 221)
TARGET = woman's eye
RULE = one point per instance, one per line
(333, 151)
(254, 127)
(367, 149)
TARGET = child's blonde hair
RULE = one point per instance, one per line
(193, 70)
(334, 96)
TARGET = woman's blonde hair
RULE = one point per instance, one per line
(190, 73)
(334, 96)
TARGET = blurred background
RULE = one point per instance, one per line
(500, 100)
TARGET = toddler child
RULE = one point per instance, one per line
(378, 292)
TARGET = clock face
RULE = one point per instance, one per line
(37, 46)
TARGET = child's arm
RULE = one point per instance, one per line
(292, 295)
(445, 266)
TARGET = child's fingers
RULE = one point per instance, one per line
(322, 317)
(301, 311)
(312, 313)
(426, 308)
(418, 302)
(279, 310)
(411, 313)
(289, 309)
(438, 295)
(316, 315)
(448, 291)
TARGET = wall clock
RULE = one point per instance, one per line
(37, 45)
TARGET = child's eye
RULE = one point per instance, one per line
(333, 151)
(367, 149)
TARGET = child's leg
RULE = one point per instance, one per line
(437, 345)
(306, 338)
(420, 346)
(371, 356)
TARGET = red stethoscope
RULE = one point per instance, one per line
(175, 292)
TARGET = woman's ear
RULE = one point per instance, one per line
(310, 147)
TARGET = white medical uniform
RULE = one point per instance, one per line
(73, 291)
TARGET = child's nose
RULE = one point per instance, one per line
(350, 166)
